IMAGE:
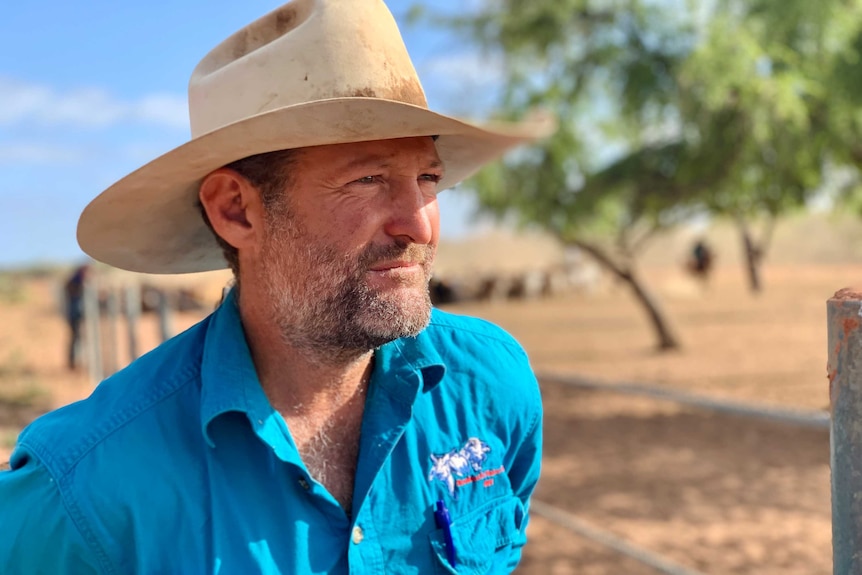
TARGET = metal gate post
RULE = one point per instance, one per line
(844, 369)
(93, 334)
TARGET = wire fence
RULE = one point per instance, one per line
(810, 419)
(803, 418)
(607, 539)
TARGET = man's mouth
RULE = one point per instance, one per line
(394, 266)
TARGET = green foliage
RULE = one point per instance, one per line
(739, 109)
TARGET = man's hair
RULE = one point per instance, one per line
(270, 174)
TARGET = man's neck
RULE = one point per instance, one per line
(322, 402)
(298, 381)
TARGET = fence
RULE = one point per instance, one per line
(803, 418)
(844, 369)
(844, 315)
(844, 318)
(106, 306)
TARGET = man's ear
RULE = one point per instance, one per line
(233, 207)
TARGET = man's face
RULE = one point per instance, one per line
(349, 247)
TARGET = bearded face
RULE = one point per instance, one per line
(342, 303)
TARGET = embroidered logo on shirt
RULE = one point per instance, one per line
(455, 467)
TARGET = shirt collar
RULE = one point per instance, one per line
(407, 357)
(228, 376)
(230, 383)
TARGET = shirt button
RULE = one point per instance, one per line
(358, 535)
(304, 484)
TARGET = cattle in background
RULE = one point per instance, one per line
(527, 285)
(441, 291)
(574, 274)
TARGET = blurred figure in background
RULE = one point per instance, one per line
(73, 291)
(701, 260)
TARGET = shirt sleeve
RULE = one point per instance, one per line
(38, 534)
(523, 476)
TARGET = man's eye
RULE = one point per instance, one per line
(366, 180)
(431, 177)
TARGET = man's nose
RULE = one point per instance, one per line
(413, 212)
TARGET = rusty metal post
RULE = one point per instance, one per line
(844, 369)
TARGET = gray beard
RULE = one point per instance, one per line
(328, 311)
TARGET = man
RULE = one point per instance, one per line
(73, 290)
(323, 419)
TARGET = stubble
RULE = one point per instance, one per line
(321, 299)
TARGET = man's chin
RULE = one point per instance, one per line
(393, 318)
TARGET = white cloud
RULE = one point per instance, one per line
(29, 153)
(164, 109)
(89, 107)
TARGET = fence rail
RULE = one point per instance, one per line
(106, 305)
(572, 523)
(811, 419)
(803, 418)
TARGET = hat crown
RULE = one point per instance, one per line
(304, 51)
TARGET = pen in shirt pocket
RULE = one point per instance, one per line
(444, 522)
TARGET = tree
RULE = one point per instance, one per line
(566, 55)
(726, 109)
(755, 95)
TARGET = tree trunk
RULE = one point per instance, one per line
(753, 256)
(666, 339)
(661, 327)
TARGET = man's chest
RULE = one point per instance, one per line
(252, 507)
(329, 449)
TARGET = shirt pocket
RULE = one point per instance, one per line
(483, 538)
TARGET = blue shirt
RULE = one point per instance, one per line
(179, 464)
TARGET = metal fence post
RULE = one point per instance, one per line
(165, 324)
(112, 307)
(844, 369)
(133, 314)
(93, 333)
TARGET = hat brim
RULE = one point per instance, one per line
(149, 221)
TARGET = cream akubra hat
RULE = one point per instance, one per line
(310, 73)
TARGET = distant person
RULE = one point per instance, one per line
(701, 260)
(74, 311)
(325, 418)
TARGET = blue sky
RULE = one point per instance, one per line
(89, 91)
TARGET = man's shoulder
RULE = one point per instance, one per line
(122, 409)
(488, 386)
(471, 330)
(485, 354)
